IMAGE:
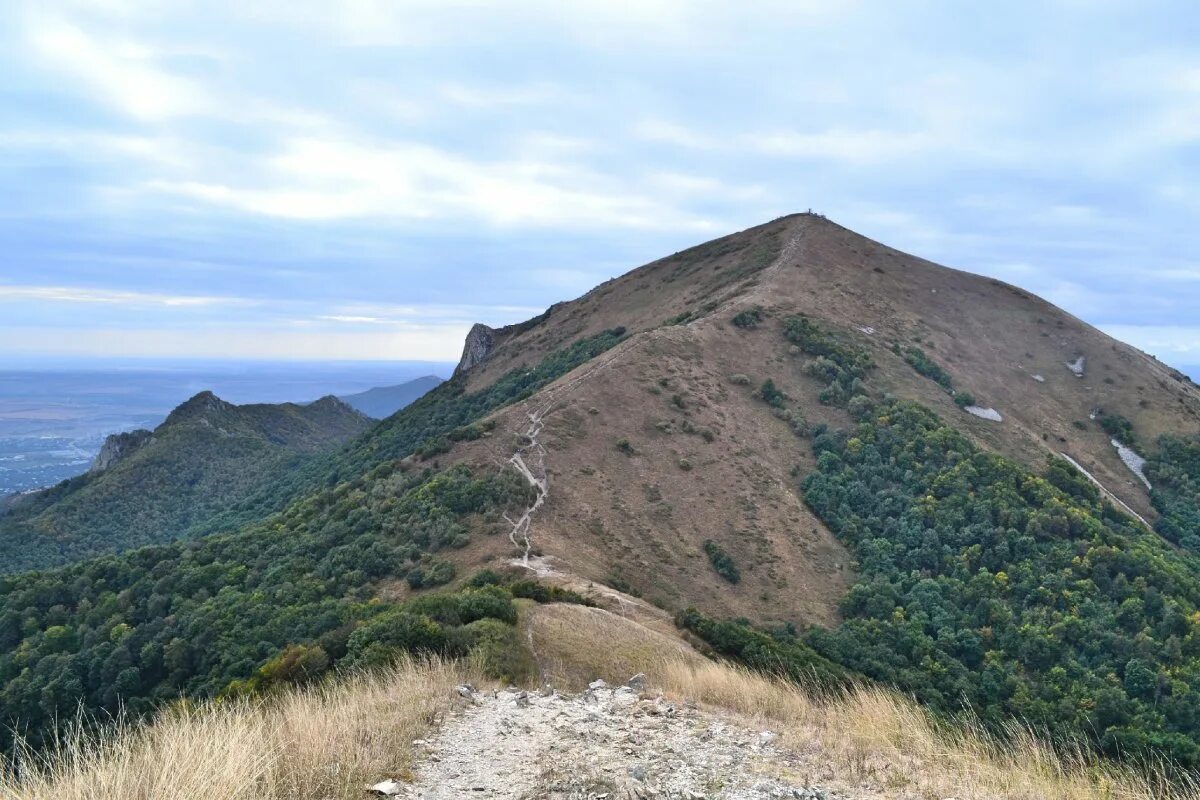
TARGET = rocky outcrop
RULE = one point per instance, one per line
(119, 446)
(481, 340)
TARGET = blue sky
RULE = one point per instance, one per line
(364, 179)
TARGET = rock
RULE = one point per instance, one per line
(637, 682)
(119, 446)
(479, 344)
(766, 737)
(548, 691)
(638, 773)
(599, 683)
(465, 690)
(522, 700)
(388, 788)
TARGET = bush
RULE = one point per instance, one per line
(926, 366)
(964, 399)
(497, 650)
(1117, 427)
(721, 561)
(381, 640)
(749, 318)
(625, 447)
(771, 394)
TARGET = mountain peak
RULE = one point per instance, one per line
(202, 404)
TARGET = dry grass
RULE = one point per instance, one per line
(870, 741)
(327, 742)
(576, 644)
(876, 739)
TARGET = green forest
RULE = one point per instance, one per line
(291, 595)
(205, 456)
(984, 587)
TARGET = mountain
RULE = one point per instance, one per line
(152, 486)
(383, 401)
(793, 446)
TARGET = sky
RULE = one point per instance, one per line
(363, 179)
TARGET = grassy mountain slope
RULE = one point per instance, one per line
(667, 435)
(205, 455)
(383, 401)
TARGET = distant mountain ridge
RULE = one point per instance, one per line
(146, 487)
(383, 401)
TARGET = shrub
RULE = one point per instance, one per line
(497, 650)
(771, 395)
(964, 399)
(1117, 427)
(721, 561)
(926, 366)
(381, 640)
(749, 318)
(685, 465)
(739, 379)
(625, 447)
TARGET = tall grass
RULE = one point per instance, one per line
(866, 738)
(321, 743)
(872, 737)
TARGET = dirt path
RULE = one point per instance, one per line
(604, 743)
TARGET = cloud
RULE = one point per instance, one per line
(1167, 341)
(327, 179)
(68, 294)
(124, 73)
(429, 343)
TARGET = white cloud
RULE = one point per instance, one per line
(327, 179)
(124, 73)
(431, 342)
(72, 294)
(1166, 341)
(843, 144)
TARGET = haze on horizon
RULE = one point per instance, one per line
(364, 180)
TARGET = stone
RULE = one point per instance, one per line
(388, 788)
(599, 683)
(481, 340)
(637, 682)
(638, 773)
(465, 690)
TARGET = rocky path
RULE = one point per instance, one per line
(604, 744)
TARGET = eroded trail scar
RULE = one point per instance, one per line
(529, 458)
(519, 535)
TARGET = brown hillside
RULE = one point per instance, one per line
(651, 450)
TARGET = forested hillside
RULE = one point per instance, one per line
(199, 617)
(206, 455)
(987, 588)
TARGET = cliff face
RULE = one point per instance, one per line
(481, 340)
(118, 446)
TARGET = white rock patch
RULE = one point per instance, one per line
(1132, 460)
(1077, 366)
(984, 413)
(1038, 378)
(607, 742)
(867, 329)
